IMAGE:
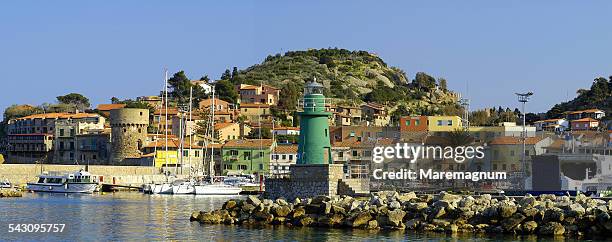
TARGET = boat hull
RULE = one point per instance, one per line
(217, 190)
(161, 188)
(63, 188)
(183, 189)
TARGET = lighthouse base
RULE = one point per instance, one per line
(313, 180)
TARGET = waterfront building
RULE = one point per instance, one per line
(286, 131)
(220, 105)
(258, 94)
(67, 139)
(552, 125)
(158, 120)
(246, 156)
(584, 124)
(587, 113)
(375, 114)
(352, 114)
(443, 123)
(505, 153)
(228, 131)
(31, 138)
(488, 133)
(363, 133)
(413, 123)
(283, 156)
(256, 113)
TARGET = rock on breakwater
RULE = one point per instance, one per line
(444, 212)
(10, 193)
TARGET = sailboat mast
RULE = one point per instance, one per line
(211, 166)
(190, 131)
(166, 118)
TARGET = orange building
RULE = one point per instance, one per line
(413, 123)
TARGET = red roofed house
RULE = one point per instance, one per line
(584, 124)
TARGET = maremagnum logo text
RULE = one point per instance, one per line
(413, 153)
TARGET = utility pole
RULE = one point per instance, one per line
(523, 98)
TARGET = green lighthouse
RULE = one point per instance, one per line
(314, 146)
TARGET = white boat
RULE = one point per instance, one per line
(5, 184)
(183, 187)
(77, 182)
(163, 188)
(216, 189)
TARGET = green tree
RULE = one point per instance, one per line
(205, 78)
(460, 137)
(114, 100)
(226, 75)
(442, 84)
(255, 133)
(290, 94)
(234, 72)
(424, 81)
(225, 91)
(75, 99)
(479, 118)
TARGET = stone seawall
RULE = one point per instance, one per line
(546, 215)
(19, 174)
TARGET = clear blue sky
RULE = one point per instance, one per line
(103, 49)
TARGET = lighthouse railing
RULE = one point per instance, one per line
(314, 104)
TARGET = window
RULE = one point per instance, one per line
(439, 122)
(261, 154)
(504, 167)
(94, 157)
(512, 153)
(290, 157)
(233, 152)
(450, 122)
(261, 166)
(228, 167)
(325, 132)
(495, 167)
(61, 132)
(197, 153)
(352, 134)
(185, 153)
(242, 167)
(407, 122)
(247, 155)
(283, 157)
(417, 122)
(367, 153)
(354, 153)
(340, 154)
(274, 157)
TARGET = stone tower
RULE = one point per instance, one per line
(314, 146)
(128, 132)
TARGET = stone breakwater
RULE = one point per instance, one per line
(10, 193)
(542, 215)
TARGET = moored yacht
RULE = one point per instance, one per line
(216, 189)
(77, 182)
(183, 187)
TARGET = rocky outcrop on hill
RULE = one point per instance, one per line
(449, 213)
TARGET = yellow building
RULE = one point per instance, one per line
(162, 156)
(443, 123)
(227, 131)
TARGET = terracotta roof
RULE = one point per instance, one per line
(585, 120)
(286, 149)
(510, 140)
(557, 144)
(172, 143)
(249, 87)
(208, 102)
(60, 115)
(287, 128)
(171, 111)
(271, 87)
(248, 143)
(374, 105)
(352, 143)
(219, 126)
(592, 110)
(254, 105)
(548, 120)
(108, 107)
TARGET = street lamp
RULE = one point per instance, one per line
(523, 98)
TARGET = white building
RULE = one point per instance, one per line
(286, 131)
(205, 85)
(556, 125)
(281, 158)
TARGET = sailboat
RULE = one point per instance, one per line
(166, 187)
(184, 186)
(212, 188)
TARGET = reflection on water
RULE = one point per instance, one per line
(136, 216)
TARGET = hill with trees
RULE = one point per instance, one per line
(598, 96)
(351, 77)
